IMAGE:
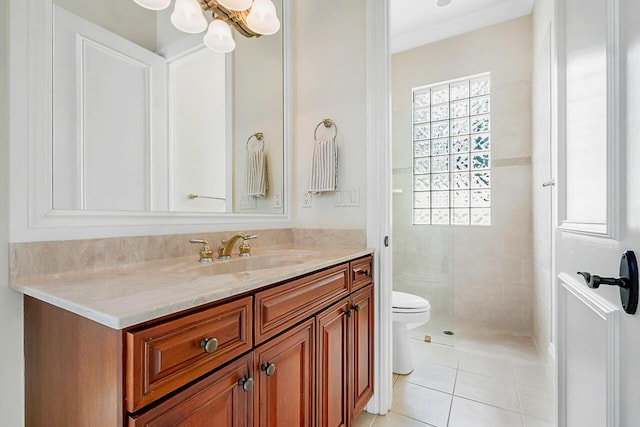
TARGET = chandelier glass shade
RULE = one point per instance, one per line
(250, 18)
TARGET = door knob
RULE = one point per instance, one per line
(627, 281)
(594, 281)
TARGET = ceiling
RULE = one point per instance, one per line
(417, 22)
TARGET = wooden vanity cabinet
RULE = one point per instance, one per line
(345, 359)
(298, 354)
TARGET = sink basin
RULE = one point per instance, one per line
(272, 259)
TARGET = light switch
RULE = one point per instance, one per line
(355, 197)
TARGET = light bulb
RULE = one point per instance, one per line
(153, 4)
(235, 4)
(187, 16)
(218, 37)
(263, 18)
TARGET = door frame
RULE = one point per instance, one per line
(379, 194)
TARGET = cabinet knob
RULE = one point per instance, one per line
(356, 307)
(209, 345)
(348, 313)
(359, 271)
(268, 368)
(246, 384)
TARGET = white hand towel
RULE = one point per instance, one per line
(323, 166)
(257, 183)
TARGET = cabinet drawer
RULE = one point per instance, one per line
(283, 306)
(216, 400)
(162, 358)
(361, 273)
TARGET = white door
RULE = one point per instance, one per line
(599, 210)
(110, 108)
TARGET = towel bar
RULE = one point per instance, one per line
(193, 196)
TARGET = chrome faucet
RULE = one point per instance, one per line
(226, 246)
(206, 254)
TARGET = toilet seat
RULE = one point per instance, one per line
(407, 303)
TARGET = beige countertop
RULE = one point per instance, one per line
(135, 293)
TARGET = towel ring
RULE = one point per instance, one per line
(327, 123)
(259, 136)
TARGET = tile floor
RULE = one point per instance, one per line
(485, 381)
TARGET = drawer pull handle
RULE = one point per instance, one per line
(246, 384)
(356, 308)
(348, 313)
(268, 368)
(359, 271)
(210, 345)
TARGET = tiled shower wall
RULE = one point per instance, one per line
(477, 276)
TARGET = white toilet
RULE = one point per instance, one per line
(409, 312)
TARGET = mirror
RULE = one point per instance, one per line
(147, 119)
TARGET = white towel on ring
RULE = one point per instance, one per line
(257, 183)
(324, 166)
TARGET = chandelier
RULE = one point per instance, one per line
(251, 18)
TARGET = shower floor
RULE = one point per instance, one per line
(435, 328)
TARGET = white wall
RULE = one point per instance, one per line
(11, 353)
(484, 272)
(329, 54)
(542, 171)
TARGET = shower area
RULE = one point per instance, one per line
(462, 210)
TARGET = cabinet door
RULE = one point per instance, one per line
(361, 369)
(285, 378)
(223, 399)
(332, 367)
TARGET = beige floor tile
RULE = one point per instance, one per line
(434, 376)
(533, 375)
(393, 419)
(487, 390)
(536, 402)
(490, 366)
(365, 419)
(506, 345)
(533, 422)
(466, 413)
(421, 403)
(430, 353)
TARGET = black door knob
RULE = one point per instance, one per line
(594, 281)
(627, 281)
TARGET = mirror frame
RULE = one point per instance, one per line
(32, 215)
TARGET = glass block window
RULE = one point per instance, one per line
(452, 152)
